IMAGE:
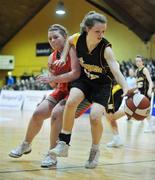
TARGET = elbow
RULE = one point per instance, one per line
(76, 75)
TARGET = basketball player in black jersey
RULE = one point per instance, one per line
(98, 66)
(144, 84)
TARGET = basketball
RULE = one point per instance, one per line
(137, 107)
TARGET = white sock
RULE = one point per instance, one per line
(25, 142)
(65, 132)
(95, 146)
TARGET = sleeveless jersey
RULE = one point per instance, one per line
(60, 70)
(142, 82)
(93, 65)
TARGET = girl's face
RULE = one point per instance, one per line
(96, 33)
(131, 72)
(139, 62)
(56, 40)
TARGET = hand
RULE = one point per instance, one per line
(46, 79)
(149, 93)
(59, 62)
(130, 92)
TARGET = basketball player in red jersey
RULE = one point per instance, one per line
(59, 76)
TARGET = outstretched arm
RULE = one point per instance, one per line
(109, 56)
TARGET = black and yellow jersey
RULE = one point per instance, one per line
(142, 82)
(93, 64)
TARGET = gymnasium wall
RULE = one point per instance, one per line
(152, 47)
(125, 43)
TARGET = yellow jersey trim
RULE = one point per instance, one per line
(75, 38)
(116, 88)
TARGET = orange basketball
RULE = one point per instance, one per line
(137, 107)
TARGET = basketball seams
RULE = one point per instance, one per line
(130, 104)
(144, 103)
(138, 117)
(137, 107)
(128, 111)
(142, 112)
(137, 98)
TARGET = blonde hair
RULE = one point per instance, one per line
(60, 28)
(90, 19)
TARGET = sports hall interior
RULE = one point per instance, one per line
(131, 32)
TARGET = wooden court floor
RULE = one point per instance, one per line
(134, 160)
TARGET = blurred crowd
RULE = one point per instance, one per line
(26, 84)
(29, 83)
(149, 63)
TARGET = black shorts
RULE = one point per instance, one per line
(115, 101)
(94, 92)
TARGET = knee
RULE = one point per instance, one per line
(36, 116)
(95, 118)
(71, 103)
(56, 114)
(37, 119)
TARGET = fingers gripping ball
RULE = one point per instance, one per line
(131, 92)
(137, 107)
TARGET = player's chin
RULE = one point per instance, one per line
(99, 39)
(55, 47)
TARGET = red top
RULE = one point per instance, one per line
(57, 70)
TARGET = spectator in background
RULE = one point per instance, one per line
(10, 80)
(145, 85)
(131, 80)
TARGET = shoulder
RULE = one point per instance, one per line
(106, 42)
(74, 38)
(50, 57)
(145, 71)
(108, 50)
(106, 47)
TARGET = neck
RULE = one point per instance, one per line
(90, 41)
(140, 67)
(90, 44)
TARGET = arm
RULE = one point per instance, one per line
(109, 56)
(75, 69)
(66, 77)
(148, 77)
(65, 51)
(69, 43)
(50, 63)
